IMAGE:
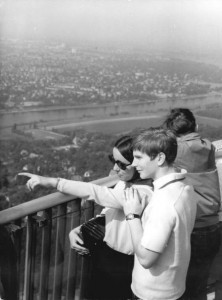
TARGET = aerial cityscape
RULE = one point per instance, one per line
(40, 74)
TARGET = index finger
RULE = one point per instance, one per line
(126, 194)
(78, 247)
(137, 194)
(129, 193)
(134, 195)
(25, 174)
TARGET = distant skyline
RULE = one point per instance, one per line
(160, 25)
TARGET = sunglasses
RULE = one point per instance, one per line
(120, 164)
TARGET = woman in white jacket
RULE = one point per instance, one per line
(113, 261)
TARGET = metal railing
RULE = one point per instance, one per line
(46, 267)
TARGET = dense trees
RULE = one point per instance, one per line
(44, 158)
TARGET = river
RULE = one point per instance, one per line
(100, 117)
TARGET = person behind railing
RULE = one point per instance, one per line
(161, 234)
(113, 259)
(197, 156)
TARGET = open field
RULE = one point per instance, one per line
(122, 125)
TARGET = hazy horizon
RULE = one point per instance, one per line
(185, 26)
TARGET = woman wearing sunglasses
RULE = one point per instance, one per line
(113, 260)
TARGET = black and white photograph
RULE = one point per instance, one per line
(110, 150)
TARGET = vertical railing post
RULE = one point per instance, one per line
(59, 252)
(17, 236)
(45, 255)
(72, 256)
(85, 263)
(29, 259)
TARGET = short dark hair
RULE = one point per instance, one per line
(156, 140)
(180, 121)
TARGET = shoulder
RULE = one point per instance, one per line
(193, 139)
(173, 191)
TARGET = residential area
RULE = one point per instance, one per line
(39, 74)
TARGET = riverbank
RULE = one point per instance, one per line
(111, 125)
(90, 116)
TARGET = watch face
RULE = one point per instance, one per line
(130, 217)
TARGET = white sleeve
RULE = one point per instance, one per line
(158, 226)
(109, 197)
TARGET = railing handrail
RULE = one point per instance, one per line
(48, 201)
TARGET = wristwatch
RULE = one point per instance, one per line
(132, 216)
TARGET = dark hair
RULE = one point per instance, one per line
(180, 121)
(155, 140)
(125, 147)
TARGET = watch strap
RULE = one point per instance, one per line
(132, 216)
